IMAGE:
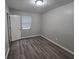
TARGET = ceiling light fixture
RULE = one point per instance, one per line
(39, 2)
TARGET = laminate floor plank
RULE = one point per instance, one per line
(37, 48)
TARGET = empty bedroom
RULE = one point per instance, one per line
(39, 29)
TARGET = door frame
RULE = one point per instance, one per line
(9, 28)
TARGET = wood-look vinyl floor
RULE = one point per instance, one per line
(36, 48)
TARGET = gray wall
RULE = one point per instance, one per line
(35, 26)
(6, 31)
(58, 25)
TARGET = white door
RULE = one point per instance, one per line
(15, 27)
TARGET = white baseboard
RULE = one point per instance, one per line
(32, 36)
(51, 41)
(59, 45)
(28, 36)
(7, 53)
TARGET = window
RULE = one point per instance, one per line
(26, 22)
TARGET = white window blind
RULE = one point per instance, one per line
(26, 22)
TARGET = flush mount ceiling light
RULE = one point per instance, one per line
(39, 2)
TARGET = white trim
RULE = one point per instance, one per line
(58, 45)
(7, 53)
(32, 36)
(28, 36)
(52, 42)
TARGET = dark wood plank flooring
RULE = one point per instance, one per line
(37, 48)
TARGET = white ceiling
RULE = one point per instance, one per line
(29, 6)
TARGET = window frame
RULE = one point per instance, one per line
(30, 23)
